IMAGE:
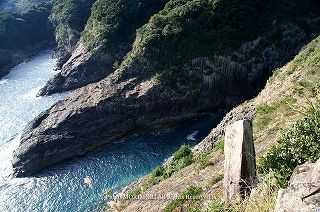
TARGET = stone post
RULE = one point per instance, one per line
(240, 161)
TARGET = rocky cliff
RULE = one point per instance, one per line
(23, 35)
(176, 70)
(273, 112)
(107, 38)
(303, 193)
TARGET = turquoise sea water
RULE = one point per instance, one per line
(62, 187)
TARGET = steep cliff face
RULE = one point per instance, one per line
(107, 38)
(23, 35)
(69, 18)
(175, 71)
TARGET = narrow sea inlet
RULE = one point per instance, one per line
(62, 187)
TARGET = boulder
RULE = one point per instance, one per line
(303, 194)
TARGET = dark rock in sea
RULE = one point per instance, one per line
(82, 68)
(7, 61)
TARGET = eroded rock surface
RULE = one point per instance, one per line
(303, 194)
(240, 161)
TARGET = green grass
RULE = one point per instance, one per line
(134, 193)
(217, 178)
(219, 145)
(296, 146)
(204, 160)
(262, 199)
(267, 113)
(184, 151)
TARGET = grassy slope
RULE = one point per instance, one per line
(287, 89)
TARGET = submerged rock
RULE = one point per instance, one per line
(303, 194)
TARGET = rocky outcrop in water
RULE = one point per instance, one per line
(81, 68)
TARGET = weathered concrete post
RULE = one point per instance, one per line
(240, 161)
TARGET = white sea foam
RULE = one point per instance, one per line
(192, 136)
(19, 103)
(32, 94)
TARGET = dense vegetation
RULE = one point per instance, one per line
(19, 32)
(298, 145)
(69, 18)
(18, 6)
(301, 142)
(113, 24)
(188, 29)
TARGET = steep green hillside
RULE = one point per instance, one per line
(69, 18)
(22, 35)
(113, 23)
(189, 29)
(107, 38)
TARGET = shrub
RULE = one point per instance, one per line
(184, 151)
(159, 171)
(219, 145)
(134, 193)
(296, 146)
